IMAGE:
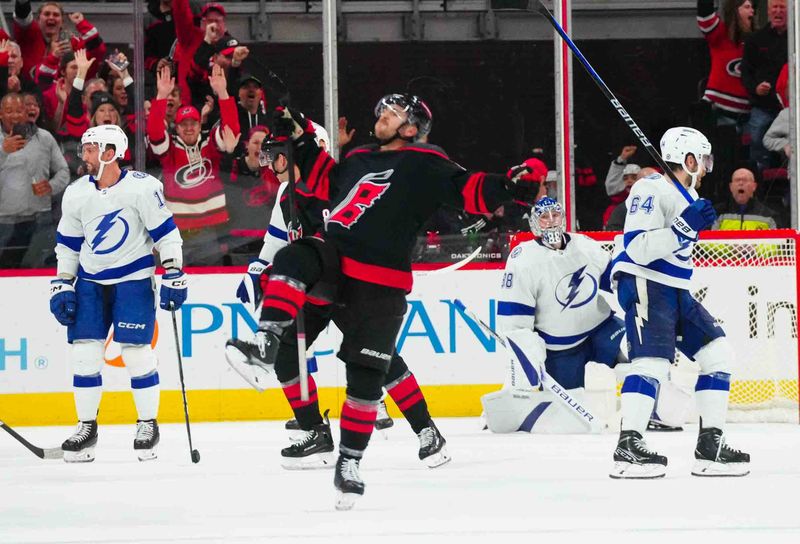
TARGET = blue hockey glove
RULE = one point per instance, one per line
(249, 290)
(173, 289)
(63, 302)
(697, 216)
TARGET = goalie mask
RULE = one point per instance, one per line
(103, 136)
(547, 222)
(418, 112)
(678, 142)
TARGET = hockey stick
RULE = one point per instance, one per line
(538, 5)
(193, 452)
(454, 266)
(572, 404)
(41, 453)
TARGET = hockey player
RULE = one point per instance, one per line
(550, 306)
(653, 267)
(313, 447)
(380, 195)
(112, 220)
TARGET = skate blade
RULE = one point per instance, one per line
(83, 456)
(438, 459)
(256, 376)
(312, 462)
(631, 471)
(147, 455)
(346, 501)
(383, 424)
(713, 469)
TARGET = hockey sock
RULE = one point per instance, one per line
(146, 394)
(356, 425)
(88, 390)
(406, 394)
(638, 398)
(282, 300)
(711, 393)
(306, 412)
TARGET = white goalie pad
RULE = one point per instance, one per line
(505, 410)
(673, 404)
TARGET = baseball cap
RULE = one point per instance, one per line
(631, 169)
(101, 97)
(245, 78)
(187, 112)
(538, 170)
(226, 46)
(212, 6)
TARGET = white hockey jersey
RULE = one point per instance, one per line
(555, 292)
(649, 248)
(277, 234)
(108, 235)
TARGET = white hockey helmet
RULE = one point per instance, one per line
(678, 142)
(103, 135)
(547, 221)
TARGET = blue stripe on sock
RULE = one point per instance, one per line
(95, 380)
(148, 380)
(534, 416)
(644, 385)
(718, 381)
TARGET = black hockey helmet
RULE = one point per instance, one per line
(419, 114)
(271, 147)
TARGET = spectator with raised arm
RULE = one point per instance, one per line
(159, 36)
(765, 53)
(191, 158)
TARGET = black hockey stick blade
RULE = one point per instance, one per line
(41, 453)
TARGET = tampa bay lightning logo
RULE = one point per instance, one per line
(110, 232)
(576, 289)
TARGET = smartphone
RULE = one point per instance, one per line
(113, 58)
(22, 129)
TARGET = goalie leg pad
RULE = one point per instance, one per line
(673, 404)
(506, 410)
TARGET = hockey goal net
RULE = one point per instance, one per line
(748, 280)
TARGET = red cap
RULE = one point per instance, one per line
(187, 112)
(538, 170)
(212, 6)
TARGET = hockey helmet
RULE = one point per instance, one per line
(271, 147)
(103, 135)
(419, 114)
(547, 221)
(321, 135)
(678, 142)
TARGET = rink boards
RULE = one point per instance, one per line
(453, 360)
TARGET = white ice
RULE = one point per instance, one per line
(497, 489)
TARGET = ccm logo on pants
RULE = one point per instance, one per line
(135, 326)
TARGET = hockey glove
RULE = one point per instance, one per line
(173, 289)
(515, 173)
(291, 123)
(697, 216)
(63, 302)
(523, 190)
(249, 290)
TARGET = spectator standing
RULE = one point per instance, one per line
(32, 171)
(616, 219)
(159, 36)
(619, 179)
(765, 53)
(191, 162)
(743, 211)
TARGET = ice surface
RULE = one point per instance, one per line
(497, 489)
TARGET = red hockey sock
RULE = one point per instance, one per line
(357, 423)
(405, 392)
(283, 299)
(306, 412)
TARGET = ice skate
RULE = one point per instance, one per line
(293, 430)
(348, 482)
(254, 361)
(632, 459)
(147, 438)
(384, 420)
(79, 448)
(715, 458)
(657, 426)
(312, 449)
(432, 449)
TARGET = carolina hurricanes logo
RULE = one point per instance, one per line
(734, 67)
(360, 198)
(193, 175)
(576, 289)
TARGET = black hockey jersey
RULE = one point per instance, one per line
(380, 199)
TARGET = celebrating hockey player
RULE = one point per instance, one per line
(550, 306)
(653, 267)
(381, 195)
(313, 445)
(112, 220)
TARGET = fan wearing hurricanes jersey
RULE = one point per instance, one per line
(112, 221)
(381, 195)
(653, 268)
